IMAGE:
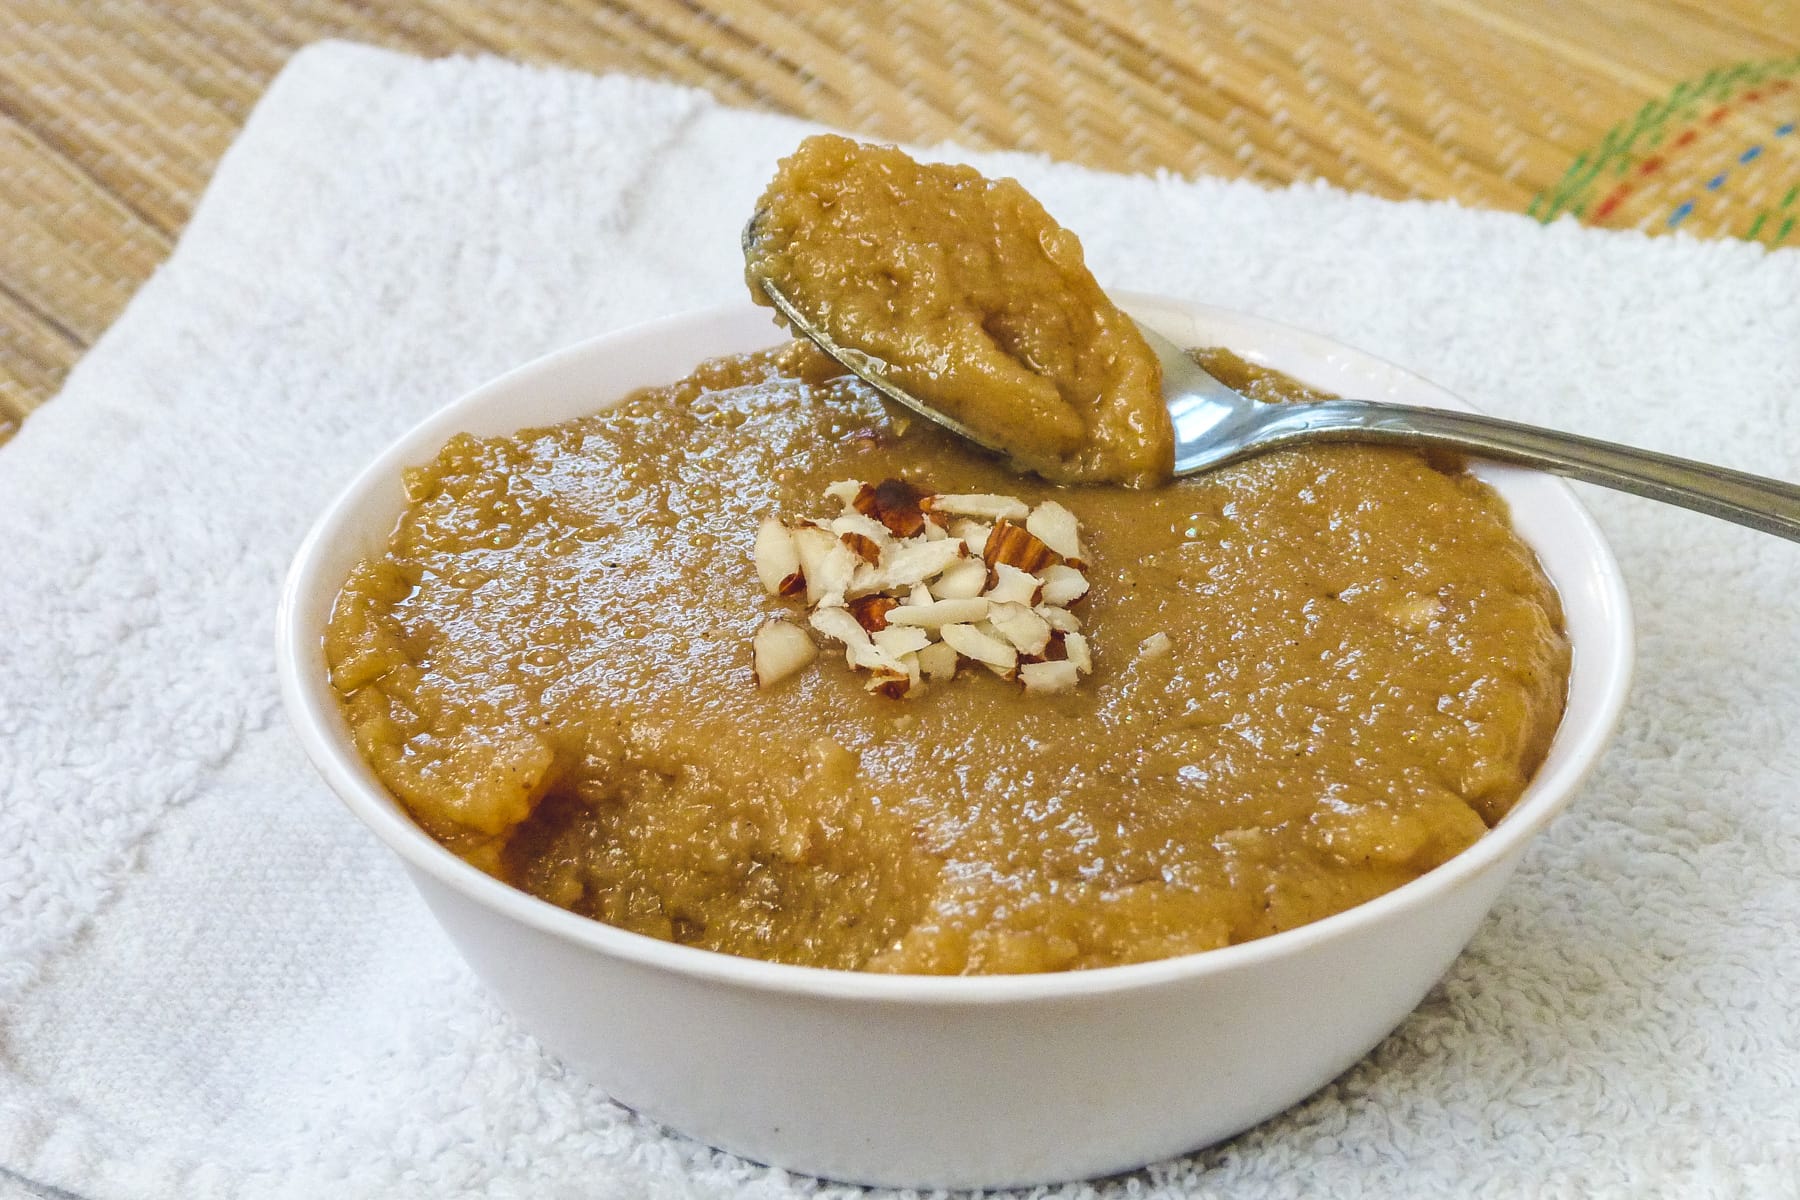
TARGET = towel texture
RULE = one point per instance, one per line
(213, 983)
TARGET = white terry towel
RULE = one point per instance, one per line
(213, 983)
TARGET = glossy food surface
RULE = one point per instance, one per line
(550, 667)
(980, 304)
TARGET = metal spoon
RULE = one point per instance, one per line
(1216, 425)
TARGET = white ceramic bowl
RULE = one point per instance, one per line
(952, 1082)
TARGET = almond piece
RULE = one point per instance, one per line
(900, 640)
(1155, 646)
(1017, 546)
(939, 613)
(1013, 586)
(938, 661)
(855, 522)
(913, 673)
(827, 584)
(777, 561)
(899, 676)
(920, 594)
(863, 546)
(1076, 647)
(838, 625)
(1048, 676)
(1057, 528)
(848, 492)
(986, 629)
(1028, 632)
(1059, 619)
(871, 611)
(891, 682)
(778, 650)
(962, 579)
(1063, 585)
(974, 535)
(811, 545)
(896, 504)
(984, 648)
(993, 508)
(906, 563)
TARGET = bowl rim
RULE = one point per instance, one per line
(319, 727)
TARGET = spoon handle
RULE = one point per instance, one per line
(1770, 505)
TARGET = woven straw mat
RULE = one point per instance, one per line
(1659, 115)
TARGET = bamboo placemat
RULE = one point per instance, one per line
(1658, 115)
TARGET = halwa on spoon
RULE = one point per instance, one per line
(961, 299)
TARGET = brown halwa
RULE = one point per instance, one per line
(974, 298)
(550, 667)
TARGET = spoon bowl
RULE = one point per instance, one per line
(866, 367)
(1216, 425)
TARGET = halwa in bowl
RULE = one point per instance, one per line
(962, 1080)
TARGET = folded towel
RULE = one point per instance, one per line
(213, 983)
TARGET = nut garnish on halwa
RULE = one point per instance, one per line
(914, 584)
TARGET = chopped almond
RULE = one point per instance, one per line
(855, 522)
(827, 583)
(938, 661)
(1076, 647)
(1063, 585)
(862, 546)
(1017, 546)
(811, 545)
(777, 562)
(848, 492)
(900, 641)
(1028, 632)
(992, 508)
(1013, 586)
(778, 650)
(909, 562)
(912, 584)
(886, 681)
(871, 611)
(984, 648)
(939, 613)
(838, 625)
(896, 504)
(1048, 676)
(910, 662)
(1057, 528)
(1155, 646)
(974, 535)
(898, 678)
(961, 580)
